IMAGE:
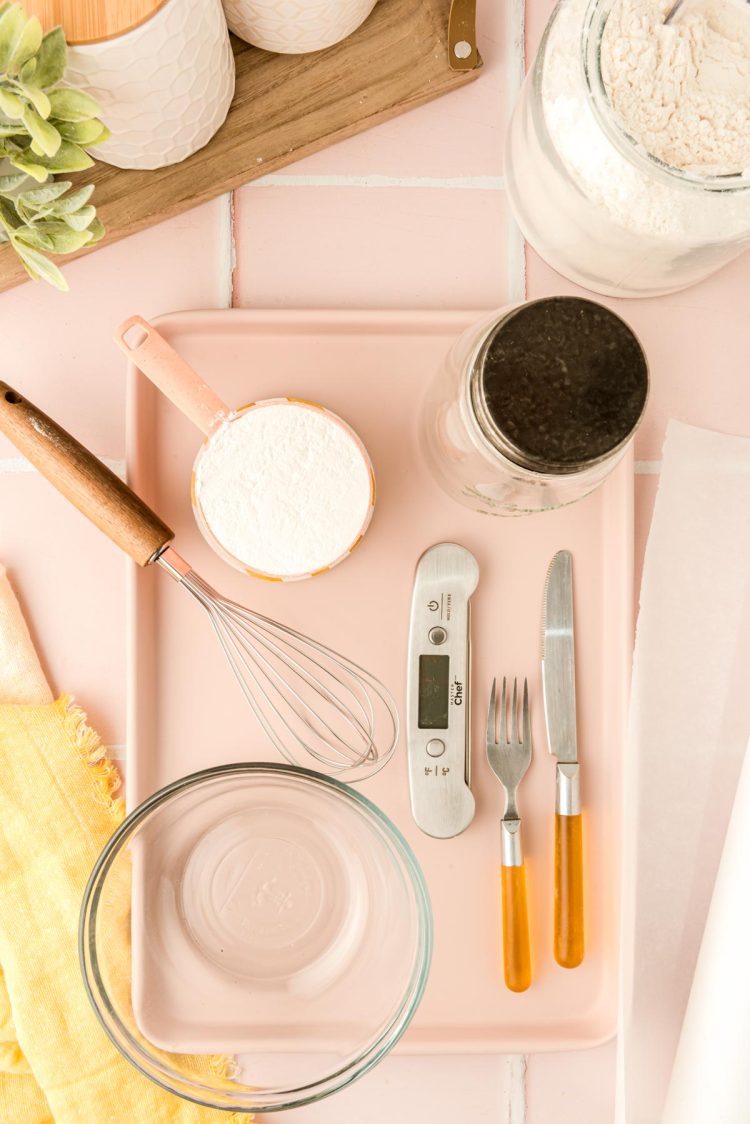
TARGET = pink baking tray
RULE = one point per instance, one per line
(186, 713)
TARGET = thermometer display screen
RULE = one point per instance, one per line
(433, 692)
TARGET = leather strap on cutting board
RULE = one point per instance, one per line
(462, 35)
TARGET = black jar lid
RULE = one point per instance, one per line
(559, 384)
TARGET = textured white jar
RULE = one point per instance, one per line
(164, 88)
(293, 27)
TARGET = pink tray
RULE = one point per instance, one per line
(185, 712)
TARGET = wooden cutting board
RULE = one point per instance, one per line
(286, 107)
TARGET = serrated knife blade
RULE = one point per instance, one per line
(558, 659)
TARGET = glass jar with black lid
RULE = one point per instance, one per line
(534, 407)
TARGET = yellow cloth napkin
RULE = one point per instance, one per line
(56, 814)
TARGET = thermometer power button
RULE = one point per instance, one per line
(435, 747)
(437, 635)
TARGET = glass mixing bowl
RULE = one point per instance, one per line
(255, 937)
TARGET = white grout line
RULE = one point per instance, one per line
(227, 251)
(515, 1072)
(466, 183)
(233, 236)
(10, 465)
(17, 465)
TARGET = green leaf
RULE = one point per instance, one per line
(26, 73)
(79, 220)
(37, 97)
(50, 62)
(34, 236)
(40, 268)
(11, 183)
(38, 196)
(12, 24)
(72, 105)
(62, 240)
(96, 230)
(74, 201)
(27, 45)
(41, 131)
(8, 216)
(68, 158)
(11, 104)
(104, 135)
(25, 163)
(83, 132)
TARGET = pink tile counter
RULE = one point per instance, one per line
(410, 215)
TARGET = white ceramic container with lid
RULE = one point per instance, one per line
(161, 70)
(295, 26)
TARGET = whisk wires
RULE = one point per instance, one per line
(310, 701)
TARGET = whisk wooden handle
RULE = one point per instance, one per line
(83, 479)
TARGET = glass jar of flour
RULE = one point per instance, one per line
(628, 154)
(534, 407)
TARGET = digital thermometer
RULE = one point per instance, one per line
(438, 691)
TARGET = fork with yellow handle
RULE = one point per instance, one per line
(509, 756)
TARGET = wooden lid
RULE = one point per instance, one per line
(91, 21)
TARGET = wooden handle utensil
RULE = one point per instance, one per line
(82, 478)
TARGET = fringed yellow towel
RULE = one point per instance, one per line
(56, 814)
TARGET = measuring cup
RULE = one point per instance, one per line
(159, 361)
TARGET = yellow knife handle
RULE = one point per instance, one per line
(569, 941)
(516, 944)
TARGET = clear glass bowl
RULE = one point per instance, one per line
(255, 937)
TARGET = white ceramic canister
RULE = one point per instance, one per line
(293, 27)
(164, 84)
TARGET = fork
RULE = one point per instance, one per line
(509, 758)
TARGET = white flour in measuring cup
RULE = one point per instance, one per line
(284, 489)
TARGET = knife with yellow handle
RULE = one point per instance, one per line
(559, 683)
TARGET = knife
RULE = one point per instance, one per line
(559, 684)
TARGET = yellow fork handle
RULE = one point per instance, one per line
(568, 890)
(516, 946)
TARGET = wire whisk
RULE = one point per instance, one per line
(315, 705)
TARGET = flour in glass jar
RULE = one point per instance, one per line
(681, 92)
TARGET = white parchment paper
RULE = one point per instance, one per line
(689, 725)
(711, 1076)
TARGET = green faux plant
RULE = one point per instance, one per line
(45, 130)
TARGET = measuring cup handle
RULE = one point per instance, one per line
(175, 378)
